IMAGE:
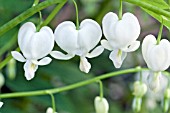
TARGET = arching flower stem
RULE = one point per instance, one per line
(77, 15)
(160, 32)
(120, 10)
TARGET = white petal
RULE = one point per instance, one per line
(50, 110)
(147, 44)
(17, 56)
(106, 45)
(84, 66)
(159, 56)
(117, 57)
(42, 43)
(109, 20)
(121, 33)
(101, 105)
(133, 47)
(66, 36)
(59, 55)
(25, 34)
(96, 52)
(89, 34)
(30, 70)
(44, 61)
(1, 103)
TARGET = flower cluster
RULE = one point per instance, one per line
(35, 46)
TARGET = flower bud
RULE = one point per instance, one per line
(11, 69)
(50, 110)
(167, 93)
(2, 80)
(165, 105)
(101, 105)
(136, 105)
(140, 89)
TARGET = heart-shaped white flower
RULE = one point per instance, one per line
(101, 105)
(157, 57)
(121, 36)
(34, 46)
(78, 42)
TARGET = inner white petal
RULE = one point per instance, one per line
(30, 69)
(84, 66)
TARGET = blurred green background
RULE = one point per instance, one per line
(117, 90)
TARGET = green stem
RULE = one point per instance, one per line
(152, 8)
(9, 45)
(72, 86)
(53, 100)
(4, 62)
(120, 10)
(77, 16)
(31, 11)
(101, 89)
(53, 13)
(160, 33)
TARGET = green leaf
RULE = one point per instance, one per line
(159, 18)
(158, 3)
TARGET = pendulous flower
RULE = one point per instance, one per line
(101, 105)
(35, 46)
(78, 42)
(50, 110)
(157, 58)
(121, 36)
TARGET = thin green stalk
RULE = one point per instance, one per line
(9, 44)
(52, 101)
(72, 86)
(149, 7)
(160, 32)
(120, 10)
(101, 89)
(31, 11)
(7, 59)
(53, 14)
(77, 16)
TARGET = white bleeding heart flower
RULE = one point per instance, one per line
(35, 46)
(1, 103)
(50, 110)
(101, 105)
(78, 42)
(121, 36)
(156, 56)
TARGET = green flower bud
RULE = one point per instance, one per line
(136, 105)
(11, 69)
(140, 89)
(165, 105)
(167, 93)
(2, 80)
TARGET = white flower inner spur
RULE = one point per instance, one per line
(35, 46)
(78, 42)
(121, 36)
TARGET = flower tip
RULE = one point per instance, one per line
(84, 66)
